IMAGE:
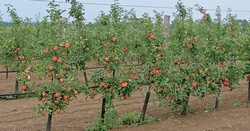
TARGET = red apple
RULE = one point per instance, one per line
(124, 49)
(140, 88)
(61, 80)
(55, 48)
(125, 97)
(23, 87)
(57, 95)
(67, 45)
(194, 84)
(106, 58)
(54, 58)
(58, 61)
(13, 53)
(151, 37)
(44, 93)
(133, 72)
(105, 44)
(114, 39)
(21, 57)
(167, 97)
(50, 67)
(68, 90)
(18, 49)
(66, 97)
(45, 52)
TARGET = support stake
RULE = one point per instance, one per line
(86, 78)
(145, 106)
(48, 127)
(218, 98)
(7, 73)
(184, 111)
(248, 91)
(103, 109)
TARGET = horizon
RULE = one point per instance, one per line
(37, 9)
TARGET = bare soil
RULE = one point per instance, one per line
(233, 113)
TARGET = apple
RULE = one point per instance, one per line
(58, 61)
(114, 39)
(66, 97)
(151, 37)
(54, 58)
(106, 58)
(103, 84)
(26, 76)
(43, 113)
(167, 97)
(64, 53)
(124, 84)
(125, 97)
(194, 84)
(67, 45)
(68, 90)
(105, 44)
(55, 48)
(13, 53)
(18, 49)
(45, 52)
(140, 88)
(44, 99)
(57, 95)
(157, 72)
(44, 93)
(58, 111)
(104, 63)
(134, 77)
(124, 49)
(225, 83)
(61, 80)
(133, 72)
(23, 87)
(49, 75)
(21, 57)
(50, 67)
(76, 92)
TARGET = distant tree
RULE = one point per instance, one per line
(244, 22)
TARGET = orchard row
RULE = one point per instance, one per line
(198, 58)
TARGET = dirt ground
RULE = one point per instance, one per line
(233, 113)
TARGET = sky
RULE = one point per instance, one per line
(32, 9)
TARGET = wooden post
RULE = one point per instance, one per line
(166, 28)
(145, 105)
(218, 98)
(85, 78)
(248, 91)
(16, 83)
(103, 109)
(185, 106)
(49, 122)
(7, 73)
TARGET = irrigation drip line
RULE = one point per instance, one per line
(8, 71)
(3, 96)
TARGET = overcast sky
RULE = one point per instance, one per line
(30, 9)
